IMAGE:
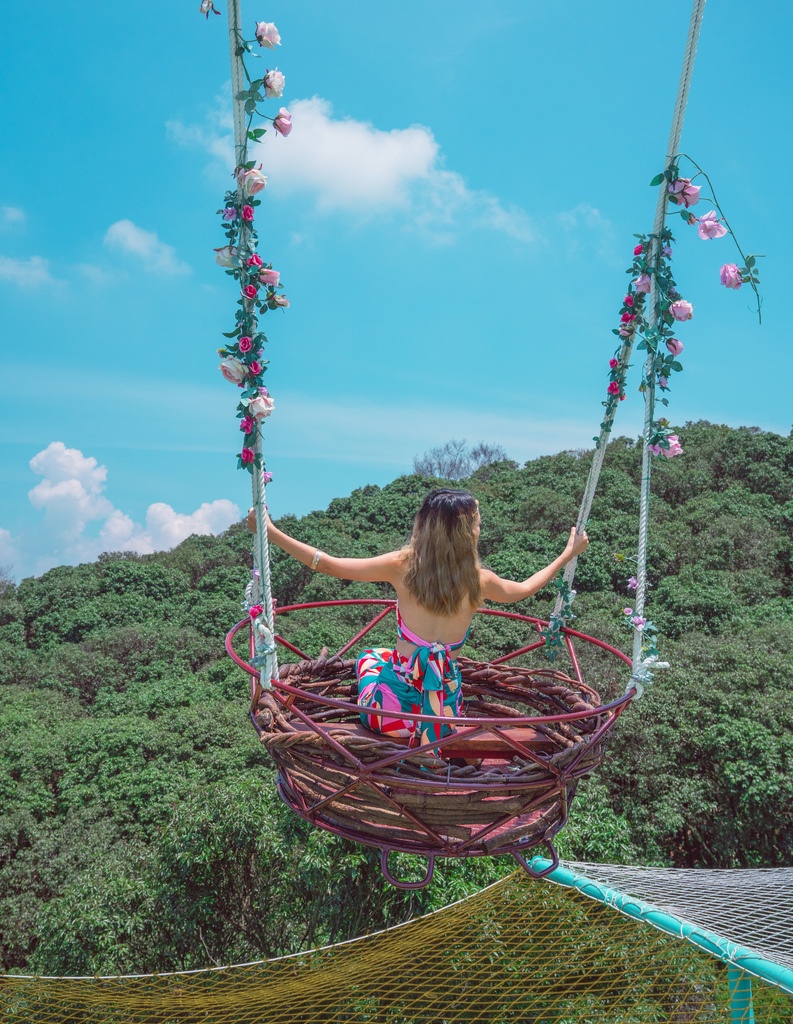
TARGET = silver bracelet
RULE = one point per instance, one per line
(315, 560)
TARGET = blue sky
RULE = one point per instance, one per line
(451, 215)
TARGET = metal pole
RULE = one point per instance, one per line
(741, 1006)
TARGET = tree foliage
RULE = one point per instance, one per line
(141, 830)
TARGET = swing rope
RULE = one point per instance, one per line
(678, 117)
(260, 592)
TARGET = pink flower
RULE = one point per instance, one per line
(627, 317)
(638, 250)
(261, 406)
(245, 343)
(710, 226)
(267, 34)
(255, 368)
(681, 191)
(667, 250)
(627, 331)
(622, 398)
(613, 388)
(628, 300)
(246, 424)
(681, 310)
(230, 213)
(283, 122)
(250, 291)
(613, 363)
(639, 622)
(280, 300)
(675, 447)
(267, 476)
(663, 383)
(247, 455)
(654, 449)
(675, 346)
(627, 611)
(257, 609)
(247, 213)
(633, 583)
(642, 283)
(251, 182)
(206, 7)
(274, 83)
(224, 257)
(254, 261)
(233, 370)
(730, 276)
(270, 277)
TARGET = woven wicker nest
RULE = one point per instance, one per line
(501, 784)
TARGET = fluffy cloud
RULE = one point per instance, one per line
(12, 215)
(30, 273)
(157, 257)
(354, 168)
(71, 497)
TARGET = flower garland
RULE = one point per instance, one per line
(243, 361)
(651, 264)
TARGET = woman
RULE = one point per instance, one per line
(439, 583)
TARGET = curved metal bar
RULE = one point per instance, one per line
(406, 885)
(530, 870)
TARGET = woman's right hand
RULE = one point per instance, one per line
(576, 544)
(251, 520)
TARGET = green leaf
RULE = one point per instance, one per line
(675, 365)
(250, 106)
(656, 181)
(750, 261)
(243, 94)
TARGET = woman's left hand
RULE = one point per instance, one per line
(576, 544)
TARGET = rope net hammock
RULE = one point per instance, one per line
(515, 952)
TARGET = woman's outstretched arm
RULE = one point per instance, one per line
(380, 569)
(506, 591)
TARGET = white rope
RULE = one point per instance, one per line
(265, 644)
(649, 396)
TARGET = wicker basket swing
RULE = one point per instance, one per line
(501, 783)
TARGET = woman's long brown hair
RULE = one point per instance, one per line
(442, 566)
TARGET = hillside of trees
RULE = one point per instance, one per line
(140, 828)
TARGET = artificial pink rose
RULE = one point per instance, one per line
(230, 213)
(731, 276)
(257, 609)
(251, 182)
(627, 330)
(254, 261)
(675, 447)
(638, 250)
(224, 257)
(267, 34)
(622, 398)
(267, 477)
(663, 383)
(261, 406)
(627, 317)
(283, 122)
(250, 291)
(674, 346)
(246, 424)
(632, 583)
(642, 283)
(627, 611)
(270, 277)
(247, 213)
(682, 192)
(206, 7)
(710, 226)
(233, 370)
(613, 363)
(280, 300)
(613, 388)
(274, 83)
(654, 449)
(639, 622)
(247, 455)
(245, 343)
(255, 368)
(628, 300)
(681, 310)
(667, 250)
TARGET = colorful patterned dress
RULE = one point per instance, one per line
(389, 681)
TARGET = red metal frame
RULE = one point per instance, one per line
(372, 773)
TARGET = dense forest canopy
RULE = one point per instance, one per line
(140, 829)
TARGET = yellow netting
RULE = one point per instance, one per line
(520, 952)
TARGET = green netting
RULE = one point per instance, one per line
(520, 952)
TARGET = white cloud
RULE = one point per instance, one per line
(157, 257)
(354, 168)
(583, 219)
(71, 496)
(12, 215)
(30, 273)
